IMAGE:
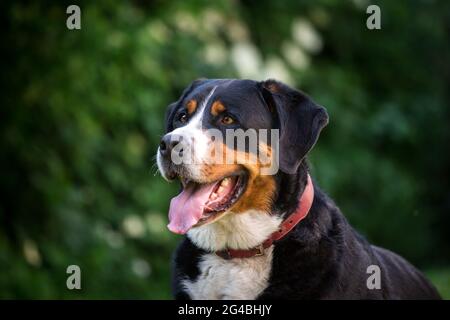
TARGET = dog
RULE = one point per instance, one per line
(271, 236)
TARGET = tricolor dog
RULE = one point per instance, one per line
(250, 235)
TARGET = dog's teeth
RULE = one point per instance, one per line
(225, 182)
(213, 195)
(220, 189)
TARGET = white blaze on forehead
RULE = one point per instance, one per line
(196, 140)
(196, 121)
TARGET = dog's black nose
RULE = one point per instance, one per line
(167, 144)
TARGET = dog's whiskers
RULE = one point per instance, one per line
(154, 168)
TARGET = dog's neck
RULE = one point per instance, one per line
(290, 188)
(249, 229)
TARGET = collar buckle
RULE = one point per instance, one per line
(259, 250)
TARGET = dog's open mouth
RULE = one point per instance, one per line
(199, 203)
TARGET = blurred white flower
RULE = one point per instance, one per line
(276, 68)
(215, 54)
(296, 57)
(158, 31)
(113, 238)
(212, 20)
(141, 268)
(31, 253)
(133, 226)
(237, 31)
(186, 21)
(306, 35)
(155, 223)
(246, 59)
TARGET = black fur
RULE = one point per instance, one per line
(323, 257)
(300, 121)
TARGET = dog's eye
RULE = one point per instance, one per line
(227, 120)
(182, 117)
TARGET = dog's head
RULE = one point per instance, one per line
(227, 140)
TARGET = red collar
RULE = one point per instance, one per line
(288, 224)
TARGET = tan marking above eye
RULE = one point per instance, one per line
(217, 108)
(191, 106)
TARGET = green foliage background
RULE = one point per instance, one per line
(82, 115)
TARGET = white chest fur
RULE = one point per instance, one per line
(231, 279)
(235, 231)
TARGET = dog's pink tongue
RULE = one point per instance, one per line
(186, 209)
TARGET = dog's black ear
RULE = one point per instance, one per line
(299, 119)
(170, 111)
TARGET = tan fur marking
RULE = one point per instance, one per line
(191, 106)
(272, 86)
(217, 108)
(260, 189)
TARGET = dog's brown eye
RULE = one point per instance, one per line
(227, 120)
(182, 117)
